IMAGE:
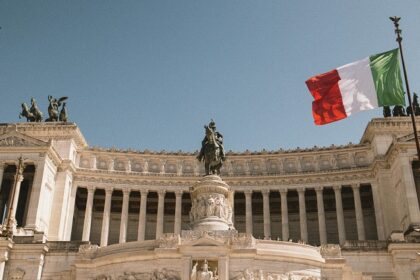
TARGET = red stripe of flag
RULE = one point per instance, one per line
(328, 105)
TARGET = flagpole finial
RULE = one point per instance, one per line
(396, 20)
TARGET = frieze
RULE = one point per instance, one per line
(157, 274)
(16, 274)
(243, 241)
(88, 250)
(220, 237)
(330, 251)
(259, 274)
(169, 241)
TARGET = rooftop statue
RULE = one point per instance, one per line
(33, 114)
(53, 108)
(415, 105)
(212, 150)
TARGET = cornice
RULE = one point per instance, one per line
(48, 130)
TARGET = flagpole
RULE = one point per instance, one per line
(395, 20)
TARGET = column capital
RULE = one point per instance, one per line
(19, 177)
(144, 192)
(265, 192)
(90, 188)
(179, 192)
(109, 190)
(301, 190)
(319, 188)
(337, 187)
(247, 192)
(161, 192)
(355, 186)
(126, 190)
(283, 191)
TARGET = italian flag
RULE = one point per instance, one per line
(362, 85)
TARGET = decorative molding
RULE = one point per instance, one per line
(16, 274)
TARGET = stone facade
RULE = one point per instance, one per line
(338, 212)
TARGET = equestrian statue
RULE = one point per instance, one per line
(212, 150)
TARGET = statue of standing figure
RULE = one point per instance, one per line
(53, 109)
(212, 150)
(204, 274)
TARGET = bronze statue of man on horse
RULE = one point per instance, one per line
(212, 150)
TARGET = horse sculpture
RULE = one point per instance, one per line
(31, 115)
(212, 153)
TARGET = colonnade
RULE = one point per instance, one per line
(124, 215)
(303, 224)
(320, 212)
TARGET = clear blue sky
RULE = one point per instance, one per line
(150, 74)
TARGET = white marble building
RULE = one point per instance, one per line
(338, 212)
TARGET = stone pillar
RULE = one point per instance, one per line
(359, 212)
(248, 211)
(302, 215)
(88, 214)
(178, 212)
(412, 202)
(124, 215)
(159, 219)
(2, 167)
(266, 209)
(321, 216)
(70, 214)
(378, 211)
(142, 216)
(106, 217)
(340, 214)
(13, 206)
(284, 216)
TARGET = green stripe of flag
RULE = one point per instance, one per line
(386, 74)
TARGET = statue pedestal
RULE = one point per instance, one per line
(211, 207)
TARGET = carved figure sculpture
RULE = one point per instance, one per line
(33, 114)
(53, 108)
(204, 274)
(398, 111)
(415, 105)
(212, 150)
(387, 111)
(63, 113)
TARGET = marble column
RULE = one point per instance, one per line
(13, 207)
(378, 211)
(359, 212)
(160, 212)
(88, 214)
(284, 215)
(248, 211)
(178, 212)
(2, 168)
(142, 216)
(302, 215)
(124, 215)
(321, 215)
(106, 218)
(70, 214)
(266, 210)
(340, 214)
